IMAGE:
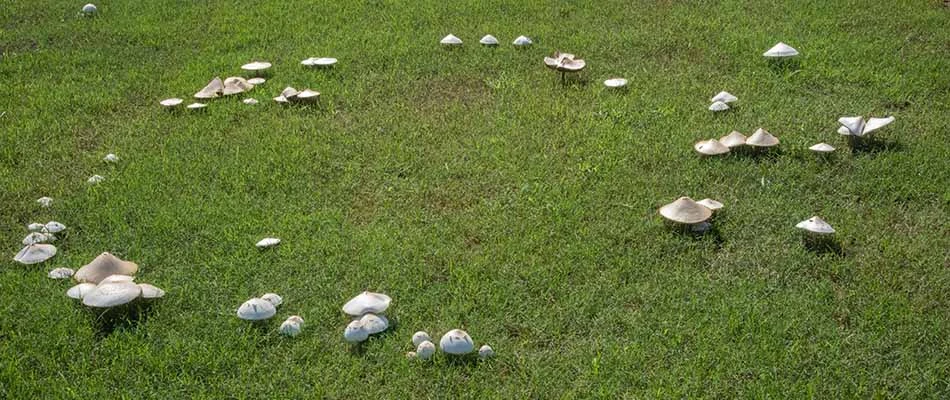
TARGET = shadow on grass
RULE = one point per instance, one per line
(128, 316)
(872, 145)
(787, 66)
(823, 245)
(696, 232)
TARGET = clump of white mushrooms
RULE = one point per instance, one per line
(36, 243)
(109, 282)
(455, 342)
(366, 311)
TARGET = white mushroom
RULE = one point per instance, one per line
(420, 337)
(273, 298)
(112, 294)
(211, 90)
(822, 148)
(256, 66)
(37, 237)
(110, 158)
(425, 350)
(45, 201)
(196, 106)
(367, 302)
(35, 254)
(710, 147)
(236, 85)
(289, 92)
(61, 273)
(486, 352)
(456, 342)
(36, 227)
(685, 211)
(95, 179)
(733, 139)
(710, 204)
(374, 323)
(816, 225)
(89, 9)
(724, 97)
(256, 81)
(267, 242)
(615, 83)
(103, 266)
(77, 292)
(319, 62)
(292, 326)
(116, 279)
(150, 291)
(250, 101)
(522, 41)
(355, 332)
(308, 95)
(856, 126)
(281, 100)
(54, 227)
(762, 138)
(256, 310)
(718, 106)
(780, 50)
(451, 40)
(489, 40)
(171, 103)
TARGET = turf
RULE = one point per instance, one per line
(480, 193)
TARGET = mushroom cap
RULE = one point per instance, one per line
(116, 279)
(874, 124)
(822, 148)
(37, 237)
(267, 242)
(456, 341)
(308, 94)
(35, 254)
(61, 273)
(196, 106)
(55, 227)
(564, 62)
(733, 139)
(485, 352)
(710, 204)
(718, 106)
(172, 102)
(112, 294)
(250, 101)
(256, 309)
(256, 81)
(95, 179)
(281, 99)
(420, 337)
(522, 41)
(273, 298)
(211, 90)
(103, 266)
(289, 92)
(854, 125)
(77, 292)
(816, 225)
(35, 227)
(488, 40)
(762, 138)
(724, 97)
(374, 323)
(290, 328)
(355, 332)
(615, 83)
(451, 40)
(295, 319)
(780, 50)
(322, 62)
(367, 302)
(110, 158)
(89, 9)
(425, 350)
(236, 85)
(45, 201)
(150, 291)
(843, 130)
(256, 66)
(685, 211)
(710, 147)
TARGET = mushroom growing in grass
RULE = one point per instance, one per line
(196, 106)
(710, 204)
(77, 292)
(456, 342)
(273, 298)
(61, 273)
(151, 291)
(856, 128)
(366, 303)
(724, 97)
(374, 323)
(322, 62)
(485, 352)
(256, 81)
(733, 139)
(89, 10)
(711, 147)
(355, 332)
(112, 294)
(95, 179)
(104, 266)
(564, 63)
(762, 139)
(420, 337)
(54, 227)
(250, 101)
(236, 85)
(256, 67)
(292, 326)
(822, 148)
(45, 201)
(779, 51)
(615, 83)
(489, 40)
(425, 350)
(308, 96)
(256, 310)
(718, 106)
(451, 40)
(816, 226)
(37, 237)
(522, 41)
(35, 253)
(110, 158)
(211, 90)
(685, 211)
(171, 103)
(267, 242)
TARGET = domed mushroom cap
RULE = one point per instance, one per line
(295, 319)
(451, 40)
(843, 130)
(77, 292)
(37, 237)
(456, 341)
(710, 204)
(486, 352)
(110, 158)
(420, 337)
(273, 298)
(89, 9)
(256, 81)
(367, 302)
(267, 242)
(172, 102)
(256, 309)
(733, 139)
(45, 201)
(150, 291)
(522, 41)
(281, 100)
(355, 332)
(112, 294)
(291, 327)
(710, 147)
(874, 124)
(718, 106)
(816, 225)
(61, 273)
(256, 66)
(762, 138)
(685, 211)
(488, 40)
(103, 266)
(822, 148)
(55, 227)
(615, 83)
(854, 125)
(425, 350)
(780, 50)
(95, 179)
(374, 323)
(211, 90)
(35, 254)
(724, 97)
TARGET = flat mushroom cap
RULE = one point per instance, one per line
(874, 124)
(77, 292)
(710, 147)
(355, 332)
(733, 139)
(724, 97)
(780, 50)
(273, 298)
(250, 101)
(564, 62)
(456, 341)
(710, 204)
(451, 40)
(196, 106)
(854, 125)
(822, 148)
(236, 85)
(267, 242)
(256, 66)
(35, 227)
(762, 138)
(172, 102)
(256, 81)
(488, 40)
(211, 90)
(522, 41)
(36, 237)
(615, 83)
(374, 323)
(55, 227)
(103, 266)
(112, 294)
(256, 309)
(308, 94)
(718, 106)
(816, 225)
(685, 211)
(367, 302)
(60, 273)
(150, 291)
(35, 254)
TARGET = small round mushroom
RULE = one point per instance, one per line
(104, 266)
(522, 41)
(35, 254)
(822, 148)
(451, 40)
(762, 138)
(724, 97)
(420, 337)
(711, 147)
(250, 101)
(367, 302)
(292, 326)
(456, 342)
(37, 237)
(718, 106)
(267, 242)
(289, 92)
(374, 323)
(45, 201)
(77, 292)
(355, 332)
(685, 211)
(54, 227)
(485, 352)
(816, 225)
(89, 9)
(488, 40)
(780, 50)
(110, 158)
(273, 298)
(710, 204)
(95, 179)
(425, 350)
(151, 291)
(112, 294)
(61, 273)
(733, 139)
(256, 310)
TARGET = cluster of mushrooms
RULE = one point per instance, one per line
(108, 282)
(455, 342)
(366, 311)
(759, 140)
(36, 244)
(264, 307)
(691, 214)
(720, 102)
(451, 40)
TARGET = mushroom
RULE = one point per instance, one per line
(486, 352)
(54, 227)
(685, 211)
(104, 266)
(171, 103)
(374, 323)
(151, 291)
(236, 85)
(250, 101)
(724, 97)
(35, 227)
(110, 158)
(615, 83)
(95, 179)
(822, 148)
(420, 337)
(411, 355)
(762, 138)
(564, 63)
(273, 298)
(45, 201)
(267, 242)
(711, 147)
(522, 41)
(425, 350)
(196, 106)
(60, 273)
(89, 9)
(456, 342)
(211, 90)
(77, 292)
(112, 294)
(488, 40)
(256, 66)
(256, 310)
(319, 62)
(292, 326)
(780, 50)
(710, 204)
(308, 95)
(856, 126)
(451, 40)
(116, 279)
(718, 106)
(36, 237)
(733, 139)
(367, 302)
(35, 254)
(281, 99)
(289, 92)
(256, 81)
(355, 332)
(816, 225)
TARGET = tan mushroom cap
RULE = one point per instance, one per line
(289, 92)
(762, 138)
(150, 291)
(236, 85)
(211, 90)
(733, 139)
(564, 62)
(710, 204)
(112, 294)
(104, 266)
(710, 147)
(685, 211)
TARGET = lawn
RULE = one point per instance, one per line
(480, 193)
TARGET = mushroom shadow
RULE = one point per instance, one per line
(785, 65)
(470, 359)
(767, 154)
(872, 145)
(711, 233)
(127, 316)
(825, 244)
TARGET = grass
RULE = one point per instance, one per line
(479, 193)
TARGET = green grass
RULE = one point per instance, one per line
(479, 193)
